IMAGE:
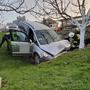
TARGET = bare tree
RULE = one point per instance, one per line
(65, 9)
(13, 5)
(17, 6)
(84, 20)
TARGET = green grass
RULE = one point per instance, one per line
(70, 71)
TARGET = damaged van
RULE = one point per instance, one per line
(38, 40)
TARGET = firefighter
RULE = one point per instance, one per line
(7, 37)
(74, 38)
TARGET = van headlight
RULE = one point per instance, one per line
(67, 45)
(45, 54)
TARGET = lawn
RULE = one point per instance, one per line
(70, 71)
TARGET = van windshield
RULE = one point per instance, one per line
(47, 36)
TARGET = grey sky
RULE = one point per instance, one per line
(8, 16)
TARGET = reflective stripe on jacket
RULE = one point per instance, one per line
(7, 33)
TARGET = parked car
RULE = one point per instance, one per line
(38, 40)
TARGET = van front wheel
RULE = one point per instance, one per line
(36, 58)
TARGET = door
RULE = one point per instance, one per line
(20, 44)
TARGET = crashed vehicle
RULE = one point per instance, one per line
(38, 40)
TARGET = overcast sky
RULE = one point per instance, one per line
(9, 17)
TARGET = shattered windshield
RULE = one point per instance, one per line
(47, 36)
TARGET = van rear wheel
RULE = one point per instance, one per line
(36, 59)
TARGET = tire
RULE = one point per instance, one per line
(36, 59)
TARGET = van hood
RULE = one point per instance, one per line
(54, 48)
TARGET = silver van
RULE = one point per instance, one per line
(38, 40)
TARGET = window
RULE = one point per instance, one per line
(47, 36)
(19, 36)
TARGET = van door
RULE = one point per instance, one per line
(20, 44)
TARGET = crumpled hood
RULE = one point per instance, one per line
(55, 47)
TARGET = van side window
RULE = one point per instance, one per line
(19, 36)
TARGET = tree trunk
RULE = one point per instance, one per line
(82, 36)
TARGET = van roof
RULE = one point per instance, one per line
(36, 25)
